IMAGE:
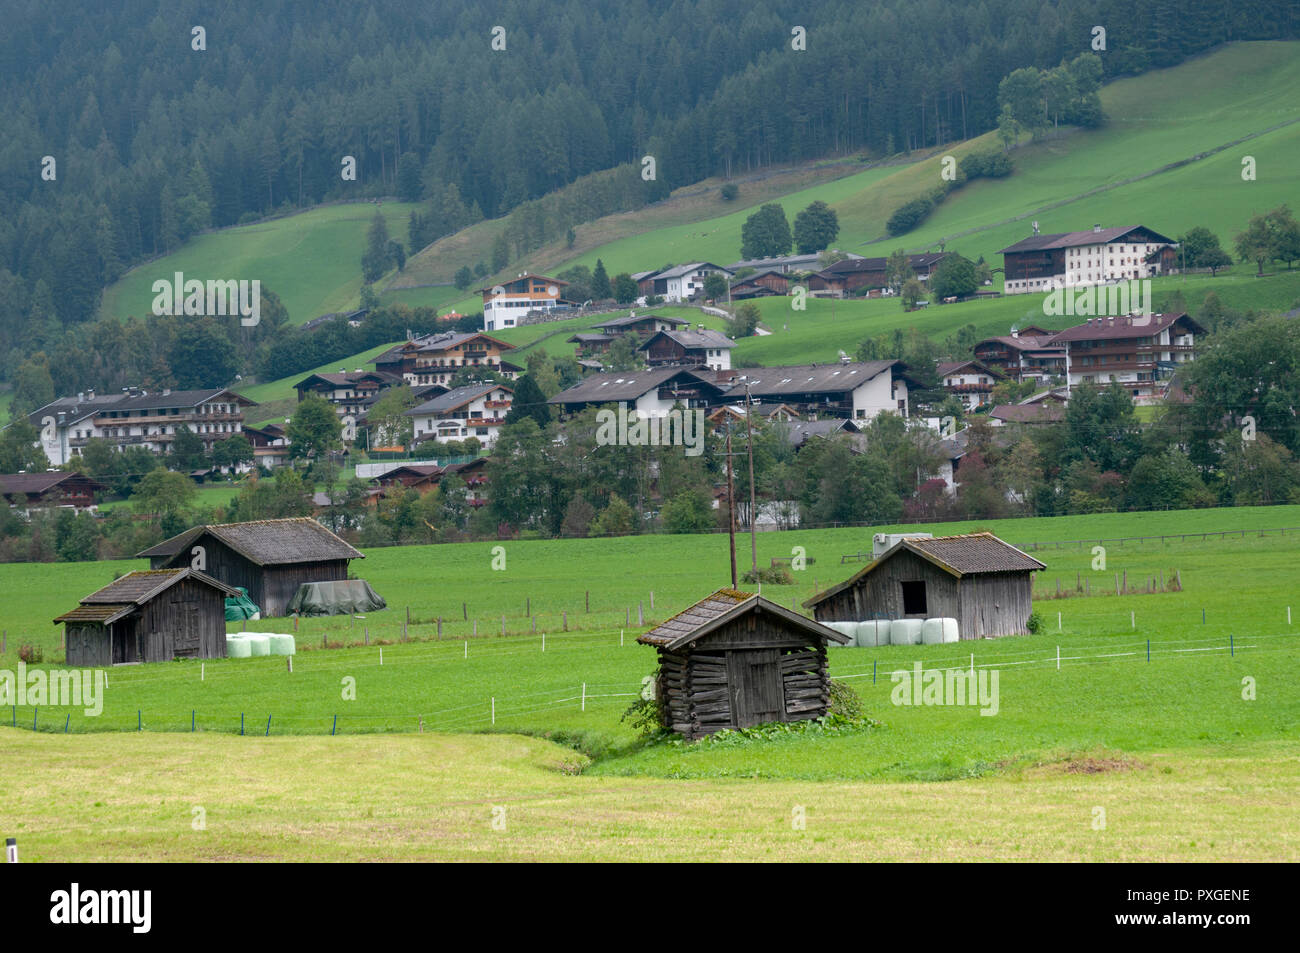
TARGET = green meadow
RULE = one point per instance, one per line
(312, 260)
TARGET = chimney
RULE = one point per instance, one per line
(1096, 228)
(1035, 228)
(167, 391)
(90, 394)
(81, 396)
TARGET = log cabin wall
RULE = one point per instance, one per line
(995, 604)
(88, 644)
(879, 594)
(280, 583)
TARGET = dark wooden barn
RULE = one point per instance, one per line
(269, 558)
(977, 579)
(149, 616)
(734, 659)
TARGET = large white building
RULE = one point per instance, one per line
(478, 410)
(1073, 259)
(136, 418)
(684, 281)
(1136, 352)
(504, 305)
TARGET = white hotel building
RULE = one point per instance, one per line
(1101, 256)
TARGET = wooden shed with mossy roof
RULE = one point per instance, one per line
(734, 659)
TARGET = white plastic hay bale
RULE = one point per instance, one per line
(905, 632)
(282, 644)
(258, 644)
(237, 646)
(932, 632)
(844, 628)
(950, 631)
(874, 633)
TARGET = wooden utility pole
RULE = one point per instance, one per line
(753, 512)
(731, 509)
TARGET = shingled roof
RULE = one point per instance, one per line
(123, 596)
(966, 555)
(266, 542)
(721, 607)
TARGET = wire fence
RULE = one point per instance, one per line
(514, 711)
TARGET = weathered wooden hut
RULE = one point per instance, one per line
(734, 659)
(149, 616)
(977, 579)
(269, 558)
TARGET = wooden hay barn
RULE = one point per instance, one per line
(977, 579)
(149, 616)
(269, 558)
(734, 659)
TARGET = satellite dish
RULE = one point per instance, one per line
(553, 291)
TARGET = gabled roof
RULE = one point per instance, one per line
(1129, 326)
(852, 266)
(952, 367)
(342, 378)
(692, 340)
(719, 608)
(804, 378)
(509, 281)
(41, 482)
(1042, 412)
(178, 398)
(623, 322)
(614, 386)
(799, 431)
(266, 542)
(123, 596)
(760, 274)
(680, 270)
(1074, 239)
(966, 555)
(455, 399)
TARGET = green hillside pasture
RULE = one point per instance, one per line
(1163, 117)
(436, 797)
(312, 260)
(440, 297)
(210, 495)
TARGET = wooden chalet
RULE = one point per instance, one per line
(269, 558)
(25, 491)
(845, 277)
(642, 325)
(421, 477)
(977, 579)
(702, 347)
(734, 659)
(149, 616)
(761, 285)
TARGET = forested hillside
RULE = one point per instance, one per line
(158, 131)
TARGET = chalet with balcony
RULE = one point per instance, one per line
(1094, 257)
(1024, 354)
(652, 393)
(686, 348)
(1137, 352)
(506, 304)
(475, 475)
(270, 445)
(52, 488)
(764, 284)
(971, 382)
(137, 418)
(437, 358)
(351, 392)
(684, 282)
(642, 325)
(477, 410)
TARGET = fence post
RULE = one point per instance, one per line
(503, 625)
(640, 615)
(1231, 650)
(652, 600)
(494, 710)
(268, 726)
(873, 671)
(566, 621)
(440, 627)
(584, 696)
(1148, 650)
(1058, 622)
(334, 727)
(1133, 617)
(241, 723)
(620, 638)
(588, 595)
(1058, 658)
(11, 850)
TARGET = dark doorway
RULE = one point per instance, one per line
(757, 694)
(914, 598)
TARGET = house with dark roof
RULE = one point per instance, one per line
(851, 274)
(971, 382)
(652, 393)
(1098, 256)
(149, 616)
(1025, 354)
(763, 284)
(858, 390)
(1136, 352)
(476, 410)
(269, 558)
(1044, 412)
(351, 392)
(506, 304)
(702, 347)
(734, 659)
(27, 491)
(976, 578)
(684, 282)
(137, 418)
(642, 325)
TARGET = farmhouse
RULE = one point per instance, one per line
(977, 579)
(858, 390)
(1068, 259)
(684, 282)
(783, 264)
(1137, 352)
(351, 392)
(734, 659)
(137, 418)
(28, 491)
(698, 348)
(504, 305)
(762, 285)
(149, 616)
(851, 274)
(477, 410)
(269, 558)
(270, 445)
(643, 326)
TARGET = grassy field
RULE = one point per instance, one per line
(1185, 767)
(312, 260)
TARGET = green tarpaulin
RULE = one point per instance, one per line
(241, 607)
(346, 597)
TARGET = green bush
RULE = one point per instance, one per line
(771, 575)
(845, 702)
(1035, 623)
